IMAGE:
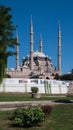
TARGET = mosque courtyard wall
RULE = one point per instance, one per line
(24, 85)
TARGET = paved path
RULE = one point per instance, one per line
(15, 104)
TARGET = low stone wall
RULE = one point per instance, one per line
(70, 89)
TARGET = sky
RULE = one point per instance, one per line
(46, 15)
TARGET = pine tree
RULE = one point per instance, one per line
(7, 39)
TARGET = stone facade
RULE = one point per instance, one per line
(42, 67)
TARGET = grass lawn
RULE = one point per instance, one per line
(27, 97)
(61, 118)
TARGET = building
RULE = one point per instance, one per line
(36, 64)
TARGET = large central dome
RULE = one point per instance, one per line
(38, 54)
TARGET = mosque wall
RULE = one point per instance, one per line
(24, 86)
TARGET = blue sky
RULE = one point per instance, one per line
(45, 17)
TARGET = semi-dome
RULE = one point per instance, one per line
(38, 54)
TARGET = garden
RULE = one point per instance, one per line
(59, 118)
(55, 117)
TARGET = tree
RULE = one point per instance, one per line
(7, 39)
(72, 71)
(64, 77)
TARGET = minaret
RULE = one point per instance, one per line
(59, 50)
(31, 45)
(41, 44)
(17, 50)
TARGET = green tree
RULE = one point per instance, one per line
(64, 77)
(72, 71)
(7, 39)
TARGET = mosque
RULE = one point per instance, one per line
(36, 64)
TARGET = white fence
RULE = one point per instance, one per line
(24, 85)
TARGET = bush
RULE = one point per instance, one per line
(34, 89)
(46, 109)
(17, 117)
(26, 117)
(7, 76)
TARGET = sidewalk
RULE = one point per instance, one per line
(15, 104)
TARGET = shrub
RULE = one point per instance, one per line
(30, 116)
(7, 76)
(46, 109)
(17, 117)
(34, 89)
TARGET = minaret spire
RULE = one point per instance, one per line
(17, 49)
(41, 44)
(59, 49)
(31, 44)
